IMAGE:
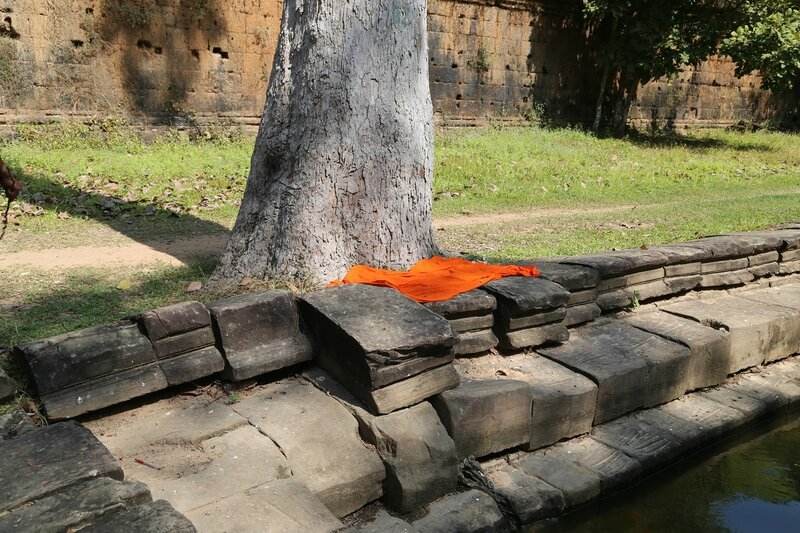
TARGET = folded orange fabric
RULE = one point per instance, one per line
(436, 279)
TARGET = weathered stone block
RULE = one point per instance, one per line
(677, 254)
(687, 269)
(184, 342)
(758, 331)
(76, 506)
(615, 264)
(474, 302)
(522, 295)
(710, 348)
(373, 340)
(762, 271)
(420, 457)
(65, 455)
(763, 259)
(333, 462)
(689, 434)
(7, 386)
(531, 498)
(628, 280)
(485, 417)
(15, 424)
(750, 407)
(615, 469)
(572, 277)
(789, 256)
(649, 445)
(531, 337)
(475, 342)
(790, 267)
(578, 485)
(259, 333)
(716, 419)
(771, 382)
(582, 297)
(472, 323)
(192, 365)
(383, 523)
(725, 279)
(77, 357)
(506, 322)
(173, 320)
(155, 517)
(473, 511)
(726, 265)
(581, 314)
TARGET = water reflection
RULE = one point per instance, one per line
(753, 486)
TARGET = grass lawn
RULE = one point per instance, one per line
(501, 194)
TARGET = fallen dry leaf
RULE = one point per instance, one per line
(194, 286)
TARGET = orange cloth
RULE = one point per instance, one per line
(436, 279)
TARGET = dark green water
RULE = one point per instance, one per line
(751, 485)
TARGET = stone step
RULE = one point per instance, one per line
(467, 511)
(155, 517)
(531, 498)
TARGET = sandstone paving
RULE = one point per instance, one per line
(155, 517)
(752, 408)
(531, 498)
(716, 419)
(650, 445)
(383, 522)
(577, 485)
(615, 469)
(464, 512)
(320, 440)
(15, 423)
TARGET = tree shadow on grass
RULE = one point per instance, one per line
(668, 139)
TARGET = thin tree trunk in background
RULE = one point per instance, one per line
(342, 170)
(598, 114)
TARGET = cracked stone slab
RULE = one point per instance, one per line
(783, 296)
(677, 254)
(76, 506)
(51, 459)
(620, 263)
(648, 444)
(466, 511)
(178, 328)
(759, 332)
(563, 401)
(577, 485)
(615, 469)
(486, 416)
(281, 505)
(531, 498)
(776, 389)
(320, 440)
(710, 347)
(420, 457)
(716, 419)
(259, 333)
(471, 303)
(155, 517)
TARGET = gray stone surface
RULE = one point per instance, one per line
(725, 265)
(620, 263)
(472, 323)
(532, 337)
(76, 506)
(686, 269)
(7, 386)
(775, 390)
(475, 342)
(522, 295)
(637, 278)
(710, 347)
(79, 356)
(783, 296)
(183, 329)
(467, 512)
(721, 247)
(761, 271)
(758, 242)
(758, 331)
(563, 401)
(175, 319)
(716, 419)
(581, 314)
(382, 523)
(193, 365)
(677, 254)
(485, 417)
(648, 444)
(155, 517)
(531, 498)
(474, 302)
(43, 462)
(750, 407)
(104, 391)
(420, 457)
(615, 469)
(690, 435)
(790, 267)
(509, 323)
(15, 424)
(790, 255)
(411, 391)
(280, 506)
(319, 437)
(259, 333)
(571, 277)
(725, 279)
(582, 297)
(577, 484)
(764, 258)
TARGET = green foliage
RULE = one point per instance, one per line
(8, 55)
(768, 40)
(134, 13)
(482, 63)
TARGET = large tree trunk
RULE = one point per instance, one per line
(342, 169)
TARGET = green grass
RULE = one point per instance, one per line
(572, 193)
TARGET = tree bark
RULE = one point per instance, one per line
(342, 170)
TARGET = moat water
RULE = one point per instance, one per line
(747, 485)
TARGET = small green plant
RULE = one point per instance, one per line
(534, 114)
(134, 13)
(482, 60)
(8, 55)
(635, 303)
(196, 10)
(232, 398)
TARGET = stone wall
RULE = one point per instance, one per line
(173, 61)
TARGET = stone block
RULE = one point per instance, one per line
(76, 506)
(791, 267)
(485, 417)
(758, 242)
(472, 323)
(155, 517)
(582, 297)
(519, 295)
(280, 505)
(649, 445)
(577, 485)
(319, 437)
(572, 277)
(751, 408)
(373, 340)
(383, 523)
(721, 247)
(679, 285)
(420, 457)
(532, 337)
(759, 331)
(259, 333)
(506, 322)
(783, 296)
(581, 314)
(471, 303)
(178, 328)
(620, 263)
(192, 365)
(563, 401)
(7, 386)
(725, 279)
(472, 511)
(65, 454)
(104, 391)
(475, 342)
(763, 259)
(762, 271)
(76, 357)
(771, 381)
(15, 424)
(688, 433)
(628, 280)
(677, 254)
(726, 265)
(531, 498)
(710, 348)
(789, 256)
(686, 269)
(615, 469)
(715, 419)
